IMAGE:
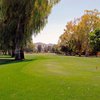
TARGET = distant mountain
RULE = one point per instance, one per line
(50, 44)
(43, 46)
(40, 43)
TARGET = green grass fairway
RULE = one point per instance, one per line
(50, 77)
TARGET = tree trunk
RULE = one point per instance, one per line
(5, 52)
(86, 53)
(9, 52)
(13, 53)
(19, 54)
(22, 54)
(80, 54)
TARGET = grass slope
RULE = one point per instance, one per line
(50, 77)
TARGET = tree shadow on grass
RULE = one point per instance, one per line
(5, 56)
(9, 60)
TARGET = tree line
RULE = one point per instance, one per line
(81, 36)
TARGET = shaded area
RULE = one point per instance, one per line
(8, 60)
(3, 56)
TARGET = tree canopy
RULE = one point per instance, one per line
(76, 36)
(20, 19)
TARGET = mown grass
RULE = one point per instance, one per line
(50, 77)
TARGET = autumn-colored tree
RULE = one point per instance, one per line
(76, 34)
(89, 22)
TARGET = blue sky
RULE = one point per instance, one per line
(63, 12)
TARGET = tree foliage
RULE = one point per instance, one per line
(95, 40)
(20, 19)
(76, 37)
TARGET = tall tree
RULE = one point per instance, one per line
(23, 18)
(89, 22)
(76, 35)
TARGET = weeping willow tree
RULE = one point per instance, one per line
(20, 19)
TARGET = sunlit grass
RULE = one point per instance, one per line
(50, 77)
